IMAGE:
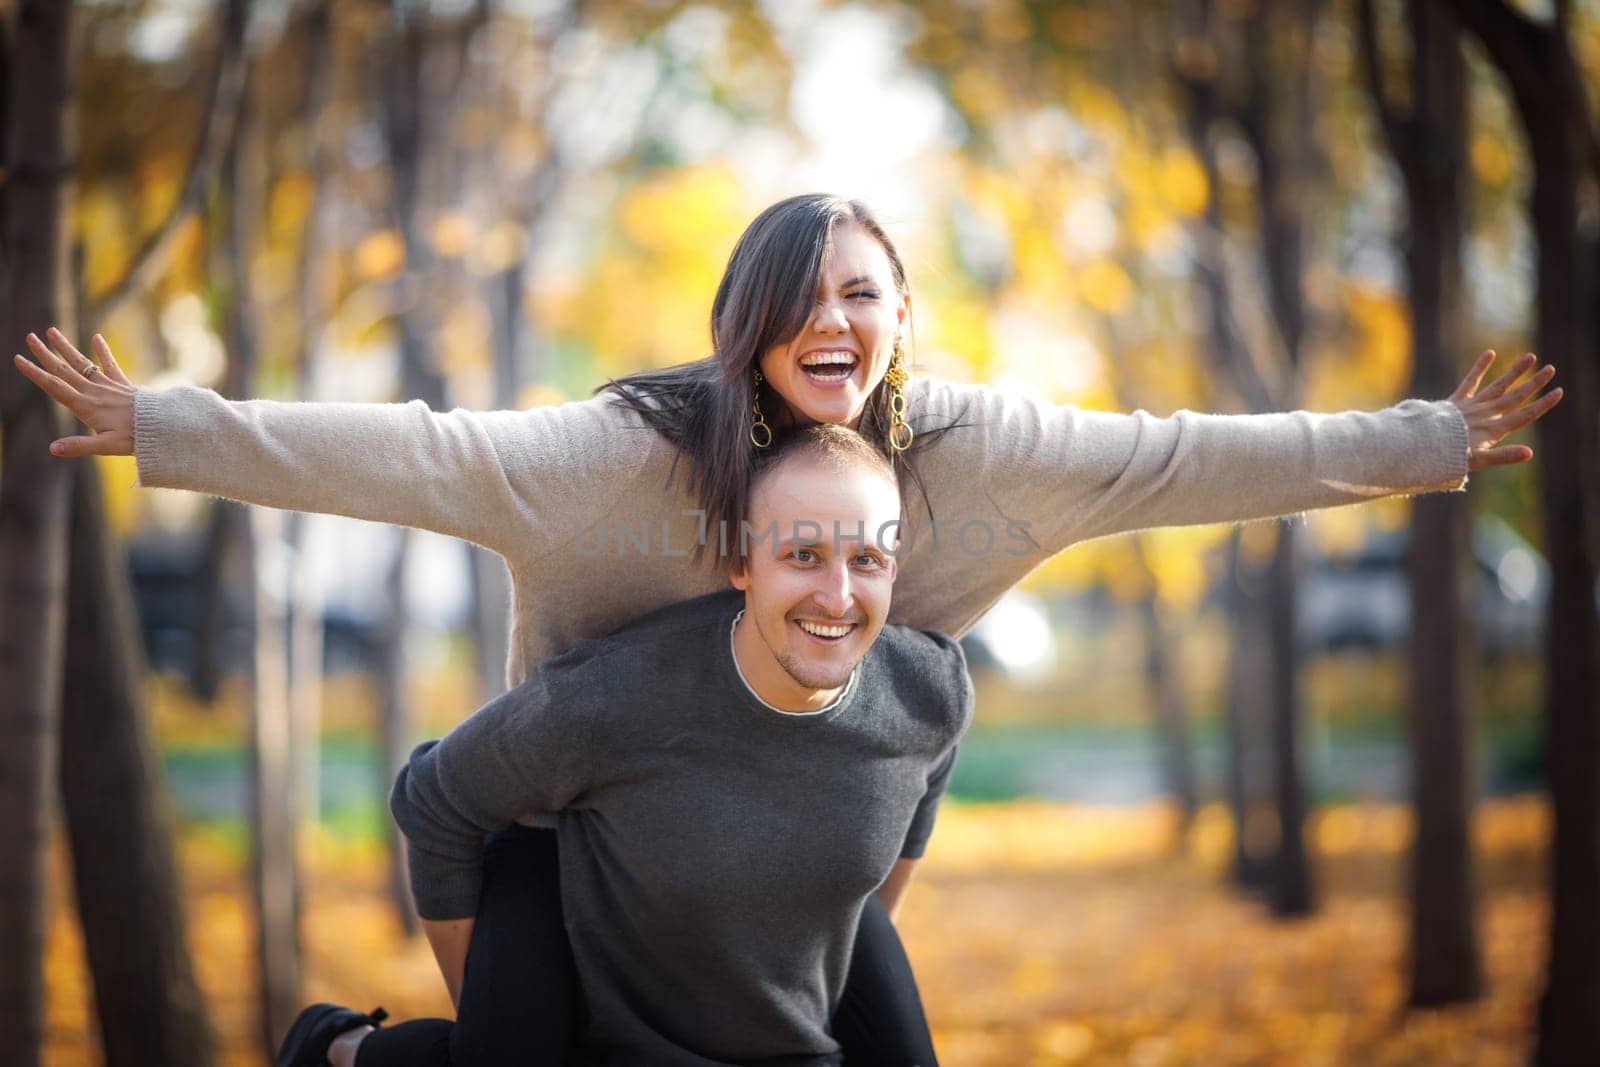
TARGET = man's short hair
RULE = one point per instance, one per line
(837, 446)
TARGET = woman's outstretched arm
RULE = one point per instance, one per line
(1062, 474)
(496, 478)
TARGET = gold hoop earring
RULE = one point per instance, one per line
(760, 432)
(897, 378)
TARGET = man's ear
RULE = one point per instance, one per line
(739, 575)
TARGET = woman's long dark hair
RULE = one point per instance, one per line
(704, 407)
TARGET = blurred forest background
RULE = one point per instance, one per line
(1283, 794)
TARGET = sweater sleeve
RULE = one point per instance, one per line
(921, 828)
(1073, 474)
(526, 751)
(949, 688)
(490, 477)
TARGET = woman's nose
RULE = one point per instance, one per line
(830, 317)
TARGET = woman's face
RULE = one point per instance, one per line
(826, 372)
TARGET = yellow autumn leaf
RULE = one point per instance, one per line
(452, 233)
(1491, 158)
(380, 255)
(1104, 286)
(1181, 181)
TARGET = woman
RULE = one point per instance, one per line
(608, 508)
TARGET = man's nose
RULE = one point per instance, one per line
(832, 593)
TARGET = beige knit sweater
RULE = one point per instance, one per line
(579, 501)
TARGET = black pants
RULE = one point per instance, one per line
(519, 998)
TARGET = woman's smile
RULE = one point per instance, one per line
(829, 368)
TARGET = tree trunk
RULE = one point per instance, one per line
(306, 543)
(491, 619)
(1196, 67)
(1275, 116)
(1443, 953)
(405, 98)
(1444, 961)
(1547, 87)
(1569, 1012)
(33, 501)
(394, 724)
(1569, 1018)
(1277, 119)
(1291, 892)
(274, 857)
(119, 823)
(1429, 147)
(1166, 697)
(274, 870)
(491, 583)
(1248, 771)
(208, 627)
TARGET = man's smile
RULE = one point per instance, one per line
(826, 631)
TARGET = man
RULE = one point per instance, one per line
(734, 776)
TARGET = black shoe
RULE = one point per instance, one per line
(306, 1043)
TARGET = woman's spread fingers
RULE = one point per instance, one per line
(1498, 427)
(108, 362)
(68, 350)
(51, 361)
(1500, 457)
(1469, 384)
(1518, 368)
(1519, 396)
(1520, 417)
(99, 445)
(79, 363)
(58, 390)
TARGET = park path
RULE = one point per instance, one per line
(1042, 934)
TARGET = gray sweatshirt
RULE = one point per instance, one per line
(579, 499)
(715, 853)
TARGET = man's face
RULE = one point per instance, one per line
(815, 600)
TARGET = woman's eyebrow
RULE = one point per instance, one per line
(860, 279)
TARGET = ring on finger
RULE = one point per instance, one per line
(90, 369)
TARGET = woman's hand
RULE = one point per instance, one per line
(1500, 409)
(100, 396)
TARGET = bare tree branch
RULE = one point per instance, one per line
(1524, 49)
(1512, 40)
(1399, 130)
(220, 114)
